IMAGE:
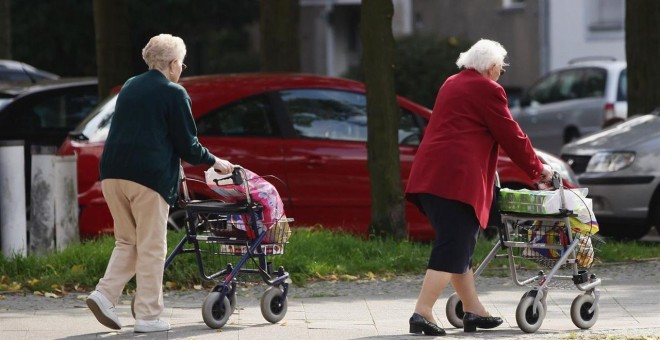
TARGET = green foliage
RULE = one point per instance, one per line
(422, 64)
(58, 36)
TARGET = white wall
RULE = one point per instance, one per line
(570, 36)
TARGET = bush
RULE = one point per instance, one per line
(422, 63)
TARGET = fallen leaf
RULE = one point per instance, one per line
(170, 285)
(283, 323)
(38, 293)
(51, 295)
(32, 282)
(2, 297)
(197, 287)
(82, 297)
(4, 279)
(14, 287)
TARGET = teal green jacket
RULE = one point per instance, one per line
(152, 130)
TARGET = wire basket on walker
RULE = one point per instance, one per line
(553, 229)
(247, 224)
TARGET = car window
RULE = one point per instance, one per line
(339, 115)
(251, 117)
(569, 85)
(622, 92)
(594, 82)
(97, 125)
(61, 109)
(541, 93)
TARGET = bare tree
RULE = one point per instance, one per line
(113, 44)
(280, 45)
(5, 29)
(383, 115)
(642, 55)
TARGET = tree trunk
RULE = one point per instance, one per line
(383, 115)
(113, 44)
(280, 44)
(642, 55)
(5, 29)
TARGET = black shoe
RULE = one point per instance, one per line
(418, 325)
(471, 321)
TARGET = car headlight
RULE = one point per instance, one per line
(610, 161)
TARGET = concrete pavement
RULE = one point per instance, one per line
(629, 308)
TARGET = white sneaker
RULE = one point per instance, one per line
(148, 326)
(103, 310)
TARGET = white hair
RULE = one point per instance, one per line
(482, 56)
(162, 49)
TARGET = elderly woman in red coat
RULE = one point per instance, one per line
(453, 175)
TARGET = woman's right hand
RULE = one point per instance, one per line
(222, 166)
(546, 174)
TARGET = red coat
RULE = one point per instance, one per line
(457, 158)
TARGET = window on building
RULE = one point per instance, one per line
(605, 16)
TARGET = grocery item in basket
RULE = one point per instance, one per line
(585, 252)
(545, 236)
(529, 201)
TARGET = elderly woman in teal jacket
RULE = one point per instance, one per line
(152, 131)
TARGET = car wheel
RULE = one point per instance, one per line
(571, 134)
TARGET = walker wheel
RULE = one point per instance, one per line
(273, 304)
(529, 320)
(580, 311)
(454, 311)
(215, 312)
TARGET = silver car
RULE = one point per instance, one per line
(572, 102)
(621, 168)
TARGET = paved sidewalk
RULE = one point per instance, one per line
(629, 309)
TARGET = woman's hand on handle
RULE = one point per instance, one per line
(546, 174)
(222, 166)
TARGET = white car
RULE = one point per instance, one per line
(573, 101)
(621, 168)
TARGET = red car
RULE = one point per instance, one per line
(309, 131)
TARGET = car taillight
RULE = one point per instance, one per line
(608, 112)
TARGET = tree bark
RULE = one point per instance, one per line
(383, 115)
(642, 55)
(280, 44)
(113, 44)
(5, 29)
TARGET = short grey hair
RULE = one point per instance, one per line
(482, 55)
(162, 49)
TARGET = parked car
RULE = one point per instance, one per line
(573, 101)
(309, 131)
(621, 168)
(43, 114)
(16, 71)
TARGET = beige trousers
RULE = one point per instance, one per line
(140, 227)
